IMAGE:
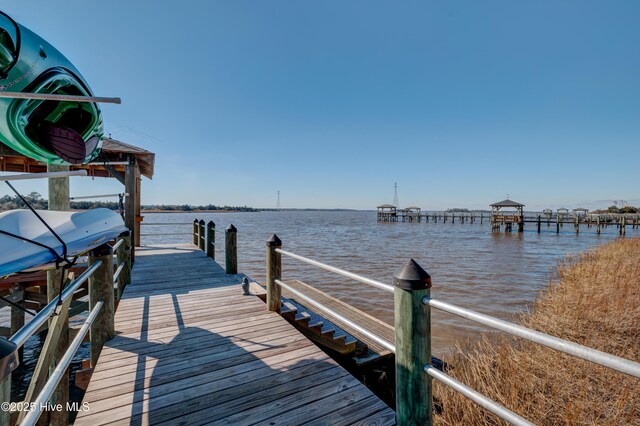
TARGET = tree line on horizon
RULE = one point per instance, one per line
(35, 199)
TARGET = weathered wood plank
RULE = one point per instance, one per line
(191, 349)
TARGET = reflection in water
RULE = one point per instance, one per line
(494, 273)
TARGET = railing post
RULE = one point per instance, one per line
(101, 289)
(274, 271)
(195, 231)
(201, 236)
(231, 250)
(128, 251)
(413, 345)
(211, 239)
(123, 254)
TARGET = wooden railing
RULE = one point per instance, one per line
(204, 236)
(412, 346)
(48, 391)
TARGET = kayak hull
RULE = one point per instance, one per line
(29, 64)
(81, 231)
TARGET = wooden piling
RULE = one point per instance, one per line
(5, 397)
(123, 256)
(413, 345)
(557, 224)
(538, 223)
(58, 200)
(195, 232)
(231, 250)
(201, 236)
(17, 314)
(58, 326)
(101, 289)
(211, 239)
(130, 205)
(128, 252)
(274, 270)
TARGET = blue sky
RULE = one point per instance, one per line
(332, 102)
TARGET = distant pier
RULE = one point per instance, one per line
(506, 214)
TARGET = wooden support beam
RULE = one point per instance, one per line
(116, 174)
(47, 360)
(5, 396)
(59, 199)
(131, 201)
(139, 217)
(101, 289)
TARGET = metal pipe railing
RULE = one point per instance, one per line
(165, 234)
(339, 271)
(340, 317)
(50, 386)
(55, 97)
(165, 224)
(22, 335)
(90, 197)
(117, 245)
(478, 398)
(601, 358)
(30, 176)
(116, 274)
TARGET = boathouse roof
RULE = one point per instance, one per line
(386, 206)
(580, 209)
(507, 203)
(412, 208)
(113, 151)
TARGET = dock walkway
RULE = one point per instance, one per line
(190, 349)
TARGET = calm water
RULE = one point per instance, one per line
(494, 273)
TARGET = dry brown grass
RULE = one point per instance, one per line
(594, 300)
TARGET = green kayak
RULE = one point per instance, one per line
(50, 131)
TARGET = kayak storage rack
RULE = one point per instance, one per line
(108, 271)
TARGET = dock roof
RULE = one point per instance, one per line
(386, 206)
(507, 203)
(113, 151)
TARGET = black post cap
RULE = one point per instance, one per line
(201, 222)
(412, 277)
(231, 228)
(211, 223)
(274, 241)
(195, 220)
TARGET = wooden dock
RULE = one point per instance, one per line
(191, 349)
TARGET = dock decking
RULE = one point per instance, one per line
(191, 349)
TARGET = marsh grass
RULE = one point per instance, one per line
(593, 299)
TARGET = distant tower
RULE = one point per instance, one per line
(395, 194)
(278, 204)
